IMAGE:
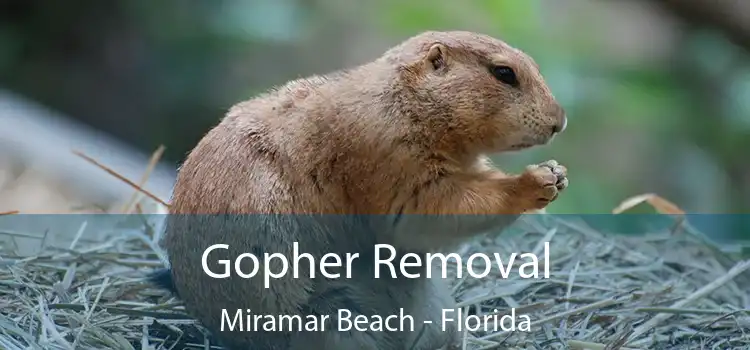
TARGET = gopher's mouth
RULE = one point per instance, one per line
(520, 146)
(529, 142)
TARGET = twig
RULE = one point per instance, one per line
(155, 157)
(584, 345)
(121, 178)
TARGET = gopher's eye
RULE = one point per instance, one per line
(505, 74)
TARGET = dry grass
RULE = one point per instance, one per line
(662, 290)
(666, 291)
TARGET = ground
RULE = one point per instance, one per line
(659, 290)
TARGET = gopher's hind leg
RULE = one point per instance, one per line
(417, 304)
(426, 299)
(356, 299)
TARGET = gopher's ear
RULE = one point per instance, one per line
(436, 57)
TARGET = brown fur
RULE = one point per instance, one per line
(405, 134)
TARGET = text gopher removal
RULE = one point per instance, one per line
(477, 265)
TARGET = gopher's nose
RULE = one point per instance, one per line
(560, 127)
(562, 120)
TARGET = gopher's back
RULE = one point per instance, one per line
(250, 183)
(301, 148)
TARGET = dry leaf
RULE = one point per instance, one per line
(664, 206)
(661, 205)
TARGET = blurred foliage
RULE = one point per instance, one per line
(154, 72)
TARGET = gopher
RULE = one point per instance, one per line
(394, 151)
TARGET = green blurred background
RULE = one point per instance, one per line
(657, 92)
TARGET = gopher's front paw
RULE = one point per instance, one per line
(541, 183)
